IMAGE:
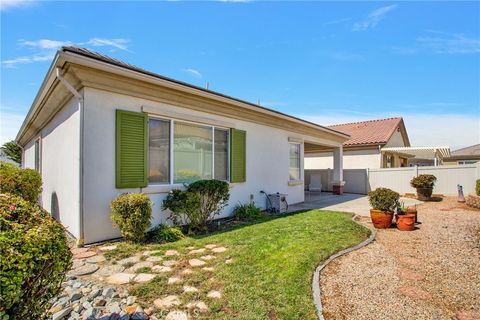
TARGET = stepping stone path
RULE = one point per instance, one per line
(201, 250)
(415, 293)
(121, 278)
(209, 269)
(199, 305)
(139, 265)
(77, 264)
(170, 253)
(187, 271)
(219, 249)
(144, 277)
(154, 259)
(133, 259)
(78, 250)
(161, 269)
(96, 259)
(170, 263)
(109, 270)
(108, 248)
(84, 254)
(188, 289)
(211, 246)
(196, 262)
(167, 302)
(207, 257)
(173, 280)
(214, 294)
(84, 270)
(176, 315)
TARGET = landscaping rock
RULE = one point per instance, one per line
(209, 269)
(78, 250)
(108, 248)
(139, 265)
(189, 289)
(128, 260)
(144, 277)
(75, 295)
(170, 263)
(228, 261)
(131, 309)
(169, 253)
(214, 294)
(84, 270)
(201, 250)
(77, 264)
(176, 315)
(154, 259)
(196, 262)
(210, 246)
(96, 259)
(161, 269)
(187, 271)
(85, 254)
(167, 302)
(207, 257)
(121, 278)
(131, 300)
(198, 305)
(109, 270)
(173, 280)
(219, 249)
(61, 314)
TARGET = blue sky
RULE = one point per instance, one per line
(328, 62)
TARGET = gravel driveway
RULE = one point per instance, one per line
(430, 273)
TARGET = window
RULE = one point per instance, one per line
(159, 151)
(37, 154)
(221, 154)
(463, 162)
(294, 161)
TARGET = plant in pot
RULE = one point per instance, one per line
(404, 219)
(383, 202)
(424, 184)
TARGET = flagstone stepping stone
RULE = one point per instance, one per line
(83, 255)
(139, 265)
(207, 257)
(96, 259)
(173, 280)
(109, 270)
(196, 262)
(219, 249)
(189, 289)
(199, 305)
(415, 292)
(121, 278)
(411, 275)
(84, 270)
(209, 269)
(201, 250)
(211, 246)
(77, 264)
(133, 259)
(190, 248)
(170, 263)
(78, 250)
(154, 259)
(161, 269)
(169, 253)
(167, 302)
(187, 271)
(214, 294)
(144, 277)
(108, 248)
(229, 261)
(176, 315)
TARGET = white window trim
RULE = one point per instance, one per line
(167, 187)
(39, 169)
(299, 181)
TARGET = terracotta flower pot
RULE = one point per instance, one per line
(381, 219)
(412, 210)
(405, 222)
(424, 194)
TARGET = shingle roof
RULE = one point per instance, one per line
(468, 151)
(369, 132)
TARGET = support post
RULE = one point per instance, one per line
(338, 182)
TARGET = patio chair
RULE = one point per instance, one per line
(315, 183)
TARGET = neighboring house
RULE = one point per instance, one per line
(365, 147)
(99, 127)
(466, 155)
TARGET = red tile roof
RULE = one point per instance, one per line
(369, 132)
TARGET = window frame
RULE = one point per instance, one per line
(299, 161)
(37, 150)
(172, 122)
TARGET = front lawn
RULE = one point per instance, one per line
(272, 262)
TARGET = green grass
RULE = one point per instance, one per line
(274, 260)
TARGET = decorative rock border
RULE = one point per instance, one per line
(317, 298)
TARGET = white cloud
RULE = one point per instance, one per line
(10, 4)
(448, 43)
(121, 44)
(10, 124)
(373, 18)
(44, 43)
(454, 130)
(193, 72)
(27, 59)
(336, 21)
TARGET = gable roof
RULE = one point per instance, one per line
(372, 132)
(468, 151)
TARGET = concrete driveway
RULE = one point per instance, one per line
(348, 202)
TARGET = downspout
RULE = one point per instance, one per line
(80, 240)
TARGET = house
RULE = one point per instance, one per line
(366, 146)
(463, 156)
(99, 127)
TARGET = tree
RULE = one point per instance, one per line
(13, 151)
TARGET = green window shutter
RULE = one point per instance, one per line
(131, 149)
(238, 155)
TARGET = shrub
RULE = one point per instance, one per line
(246, 211)
(34, 258)
(164, 233)
(25, 183)
(477, 187)
(13, 151)
(384, 199)
(423, 181)
(131, 213)
(198, 204)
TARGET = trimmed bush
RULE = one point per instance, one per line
(34, 258)
(164, 233)
(246, 211)
(26, 183)
(423, 181)
(199, 204)
(131, 213)
(477, 187)
(384, 199)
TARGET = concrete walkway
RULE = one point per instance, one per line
(348, 202)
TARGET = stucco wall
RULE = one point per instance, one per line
(396, 140)
(267, 161)
(59, 165)
(352, 159)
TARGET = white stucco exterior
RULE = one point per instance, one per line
(352, 159)
(59, 165)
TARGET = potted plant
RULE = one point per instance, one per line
(404, 219)
(383, 202)
(424, 184)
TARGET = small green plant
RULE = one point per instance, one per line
(425, 181)
(34, 258)
(384, 199)
(477, 187)
(144, 270)
(25, 183)
(164, 234)
(131, 213)
(128, 264)
(246, 211)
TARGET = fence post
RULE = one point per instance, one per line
(416, 170)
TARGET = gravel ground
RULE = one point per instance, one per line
(430, 273)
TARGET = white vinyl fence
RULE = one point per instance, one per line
(398, 179)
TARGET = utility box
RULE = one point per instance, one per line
(277, 202)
